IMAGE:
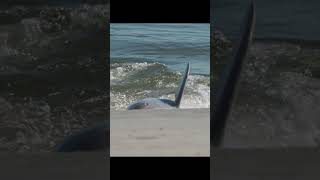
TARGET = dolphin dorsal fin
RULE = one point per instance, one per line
(183, 82)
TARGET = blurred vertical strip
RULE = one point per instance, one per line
(227, 83)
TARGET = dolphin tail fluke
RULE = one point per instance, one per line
(183, 82)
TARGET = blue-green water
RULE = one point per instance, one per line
(147, 60)
(170, 44)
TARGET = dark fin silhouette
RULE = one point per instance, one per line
(183, 82)
(92, 139)
(229, 78)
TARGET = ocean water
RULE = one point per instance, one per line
(275, 19)
(148, 60)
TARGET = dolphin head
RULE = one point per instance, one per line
(152, 103)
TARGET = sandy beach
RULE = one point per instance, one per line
(176, 132)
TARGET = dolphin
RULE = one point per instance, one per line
(154, 103)
(229, 79)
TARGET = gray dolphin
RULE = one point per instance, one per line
(154, 103)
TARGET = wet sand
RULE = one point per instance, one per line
(177, 132)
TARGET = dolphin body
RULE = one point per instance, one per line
(154, 103)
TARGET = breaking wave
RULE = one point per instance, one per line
(131, 81)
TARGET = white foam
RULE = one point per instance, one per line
(120, 73)
(196, 95)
